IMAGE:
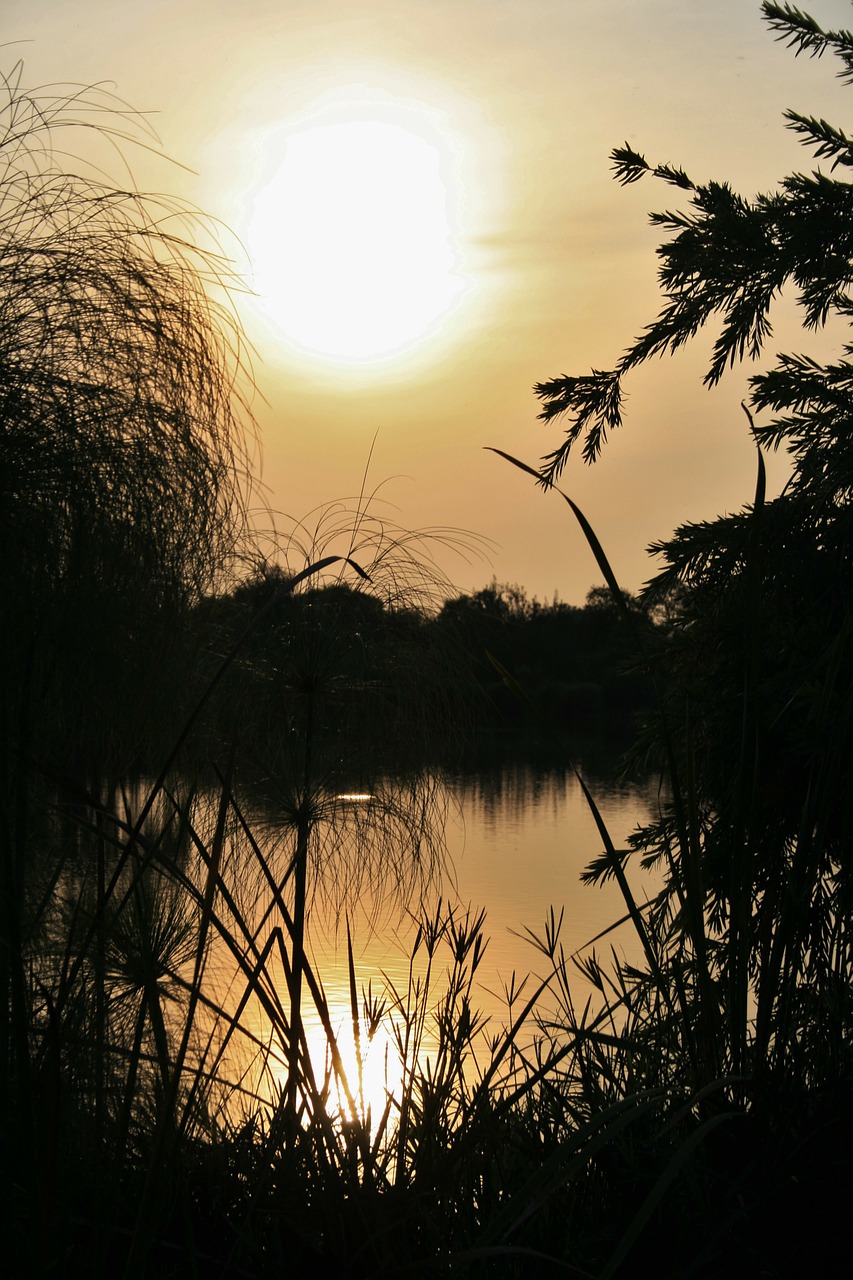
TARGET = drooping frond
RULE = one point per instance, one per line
(629, 166)
(596, 401)
(121, 357)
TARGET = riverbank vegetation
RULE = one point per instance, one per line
(177, 1094)
(435, 679)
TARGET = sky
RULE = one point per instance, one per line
(531, 261)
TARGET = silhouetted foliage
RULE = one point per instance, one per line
(162, 1110)
(363, 672)
(122, 456)
(122, 483)
(756, 651)
(558, 666)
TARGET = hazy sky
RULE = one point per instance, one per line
(518, 104)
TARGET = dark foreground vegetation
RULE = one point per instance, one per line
(161, 1112)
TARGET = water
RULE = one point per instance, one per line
(518, 838)
(515, 839)
(519, 845)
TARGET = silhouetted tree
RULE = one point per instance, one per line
(756, 664)
(570, 663)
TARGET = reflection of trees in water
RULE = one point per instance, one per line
(524, 773)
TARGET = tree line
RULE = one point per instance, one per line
(429, 684)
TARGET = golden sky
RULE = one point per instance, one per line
(516, 106)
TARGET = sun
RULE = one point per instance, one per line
(351, 241)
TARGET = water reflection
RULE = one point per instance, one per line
(512, 840)
(518, 836)
(524, 836)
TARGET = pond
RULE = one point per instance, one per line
(509, 839)
(520, 843)
(518, 836)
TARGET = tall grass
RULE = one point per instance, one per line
(716, 1031)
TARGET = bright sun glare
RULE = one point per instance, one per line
(351, 240)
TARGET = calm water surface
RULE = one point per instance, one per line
(518, 839)
(520, 843)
